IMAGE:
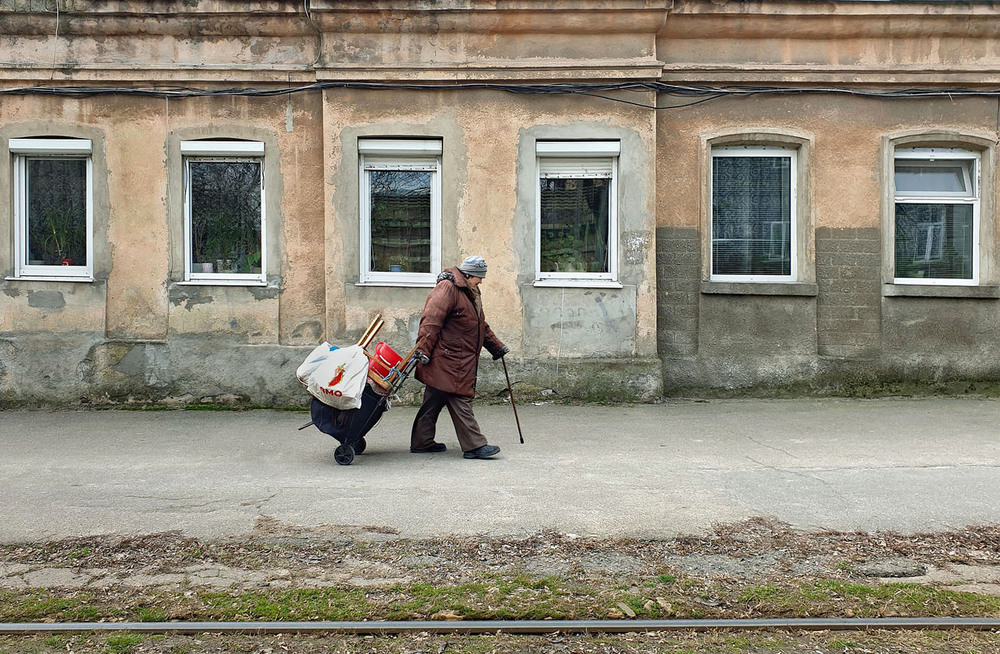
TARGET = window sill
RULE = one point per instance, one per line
(760, 288)
(427, 284)
(576, 283)
(939, 290)
(47, 278)
(220, 282)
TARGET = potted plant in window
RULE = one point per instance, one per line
(562, 252)
(574, 263)
(399, 263)
(56, 241)
(251, 262)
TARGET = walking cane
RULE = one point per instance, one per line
(510, 392)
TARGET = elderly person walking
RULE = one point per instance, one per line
(453, 330)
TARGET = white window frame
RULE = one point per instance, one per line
(973, 181)
(726, 151)
(601, 153)
(234, 151)
(419, 155)
(22, 149)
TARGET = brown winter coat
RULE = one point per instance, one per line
(452, 332)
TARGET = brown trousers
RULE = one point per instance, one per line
(466, 427)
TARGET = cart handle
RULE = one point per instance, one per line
(409, 356)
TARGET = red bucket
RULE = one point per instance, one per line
(384, 359)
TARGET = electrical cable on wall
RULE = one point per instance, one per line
(697, 94)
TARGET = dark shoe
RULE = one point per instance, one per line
(484, 452)
(429, 449)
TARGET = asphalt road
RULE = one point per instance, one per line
(907, 465)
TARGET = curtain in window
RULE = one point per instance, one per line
(400, 221)
(934, 241)
(751, 216)
(226, 215)
(57, 211)
(575, 218)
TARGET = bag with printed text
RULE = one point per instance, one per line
(315, 358)
(338, 379)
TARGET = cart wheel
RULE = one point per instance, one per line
(360, 446)
(344, 455)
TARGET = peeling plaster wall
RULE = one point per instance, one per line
(136, 217)
(53, 306)
(488, 176)
(856, 325)
(138, 333)
(66, 341)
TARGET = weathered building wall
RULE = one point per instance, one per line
(488, 169)
(790, 41)
(844, 321)
(138, 331)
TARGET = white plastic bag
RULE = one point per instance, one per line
(316, 357)
(340, 377)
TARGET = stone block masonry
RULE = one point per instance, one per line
(848, 315)
(678, 264)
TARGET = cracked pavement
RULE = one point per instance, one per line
(906, 465)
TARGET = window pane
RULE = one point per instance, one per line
(934, 241)
(225, 216)
(751, 216)
(57, 211)
(928, 178)
(575, 221)
(400, 221)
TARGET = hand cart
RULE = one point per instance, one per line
(386, 375)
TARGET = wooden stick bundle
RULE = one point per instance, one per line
(371, 332)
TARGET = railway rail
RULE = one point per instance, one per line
(506, 626)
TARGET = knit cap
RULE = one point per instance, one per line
(474, 265)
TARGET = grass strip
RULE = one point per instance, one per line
(522, 597)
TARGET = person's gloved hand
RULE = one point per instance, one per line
(422, 358)
(499, 355)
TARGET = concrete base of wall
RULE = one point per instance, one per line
(79, 370)
(83, 371)
(807, 375)
(736, 373)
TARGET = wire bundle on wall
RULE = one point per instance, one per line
(599, 90)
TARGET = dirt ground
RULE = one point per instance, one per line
(758, 568)
(823, 642)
